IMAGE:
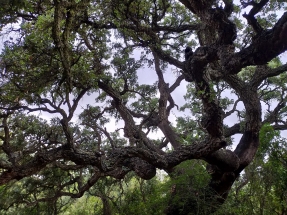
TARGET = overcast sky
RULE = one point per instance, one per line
(148, 76)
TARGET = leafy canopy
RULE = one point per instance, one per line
(98, 91)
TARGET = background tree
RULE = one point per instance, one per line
(262, 187)
(63, 52)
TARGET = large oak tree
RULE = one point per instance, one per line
(60, 53)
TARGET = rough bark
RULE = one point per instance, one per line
(214, 60)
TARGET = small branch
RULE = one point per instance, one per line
(264, 72)
(233, 109)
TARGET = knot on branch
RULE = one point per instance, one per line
(222, 161)
(152, 120)
(142, 168)
(188, 52)
(226, 28)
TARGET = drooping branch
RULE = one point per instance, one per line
(59, 193)
(117, 157)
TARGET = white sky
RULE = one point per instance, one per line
(148, 76)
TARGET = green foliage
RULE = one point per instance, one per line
(188, 188)
(142, 197)
(136, 196)
(77, 63)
